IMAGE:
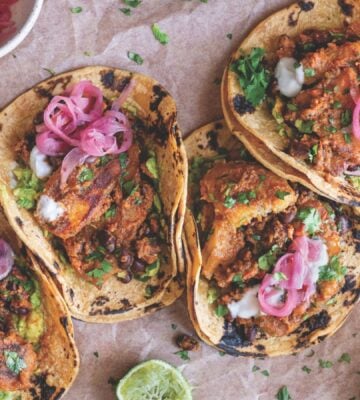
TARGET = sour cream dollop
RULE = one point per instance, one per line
(39, 164)
(248, 306)
(48, 209)
(290, 79)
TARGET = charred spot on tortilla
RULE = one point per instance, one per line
(56, 266)
(212, 137)
(43, 389)
(241, 105)
(107, 78)
(235, 335)
(159, 94)
(313, 323)
(100, 301)
(42, 92)
(19, 222)
(322, 338)
(346, 8)
(350, 284)
(306, 5)
(152, 307)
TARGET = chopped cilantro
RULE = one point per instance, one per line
(229, 202)
(135, 57)
(345, 357)
(222, 353)
(297, 65)
(110, 212)
(76, 10)
(331, 301)
(123, 160)
(311, 219)
(85, 175)
(183, 354)
(256, 237)
(332, 271)
(309, 46)
(98, 273)
(132, 3)
(238, 280)
(130, 187)
(253, 77)
(325, 363)
(283, 394)
(221, 310)
(149, 291)
(159, 35)
(347, 137)
(265, 372)
(267, 260)
(345, 118)
(309, 72)
(157, 203)
(306, 369)
(336, 104)
(103, 160)
(292, 107)
(313, 152)
(304, 126)
(126, 11)
(355, 181)
(337, 35)
(14, 362)
(281, 195)
(255, 368)
(245, 197)
(331, 129)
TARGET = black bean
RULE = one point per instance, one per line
(126, 278)
(287, 216)
(138, 266)
(107, 240)
(126, 259)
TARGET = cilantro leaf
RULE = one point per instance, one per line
(267, 260)
(306, 369)
(135, 57)
(76, 10)
(281, 195)
(86, 175)
(325, 363)
(345, 357)
(152, 166)
(221, 310)
(311, 219)
(126, 11)
(183, 354)
(159, 35)
(283, 394)
(132, 3)
(14, 362)
(332, 271)
(252, 75)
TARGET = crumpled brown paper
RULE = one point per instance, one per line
(189, 67)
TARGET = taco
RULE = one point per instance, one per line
(93, 180)
(38, 357)
(293, 85)
(273, 267)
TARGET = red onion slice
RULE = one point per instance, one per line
(117, 104)
(74, 158)
(355, 119)
(6, 259)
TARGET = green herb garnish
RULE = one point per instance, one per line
(281, 195)
(135, 57)
(238, 280)
(28, 187)
(310, 218)
(336, 104)
(152, 167)
(14, 362)
(292, 107)
(159, 35)
(132, 3)
(110, 212)
(267, 260)
(50, 71)
(283, 394)
(332, 271)
(347, 137)
(325, 363)
(253, 77)
(309, 72)
(221, 310)
(183, 354)
(212, 295)
(98, 273)
(76, 10)
(304, 126)
(306, 369)
(85, 175)
(345, 118)
(345, 357)
(255, 368)
(313, 152)
(126, 11)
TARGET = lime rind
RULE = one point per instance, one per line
(153, 380)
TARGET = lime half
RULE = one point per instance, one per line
(153, 380)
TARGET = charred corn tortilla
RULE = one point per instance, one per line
(293, 20)
(114, 301)
(57, 360)
(322, 321)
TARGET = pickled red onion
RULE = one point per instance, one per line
(6, 259)
(7, 25)
(72, 159)
(300, 279)
(355, 119)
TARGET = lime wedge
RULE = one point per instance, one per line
(153, 380)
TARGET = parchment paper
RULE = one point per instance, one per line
(187, 67)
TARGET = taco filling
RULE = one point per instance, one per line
(22, 324)
(310, 82)
(270, 250)
(90, 177)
